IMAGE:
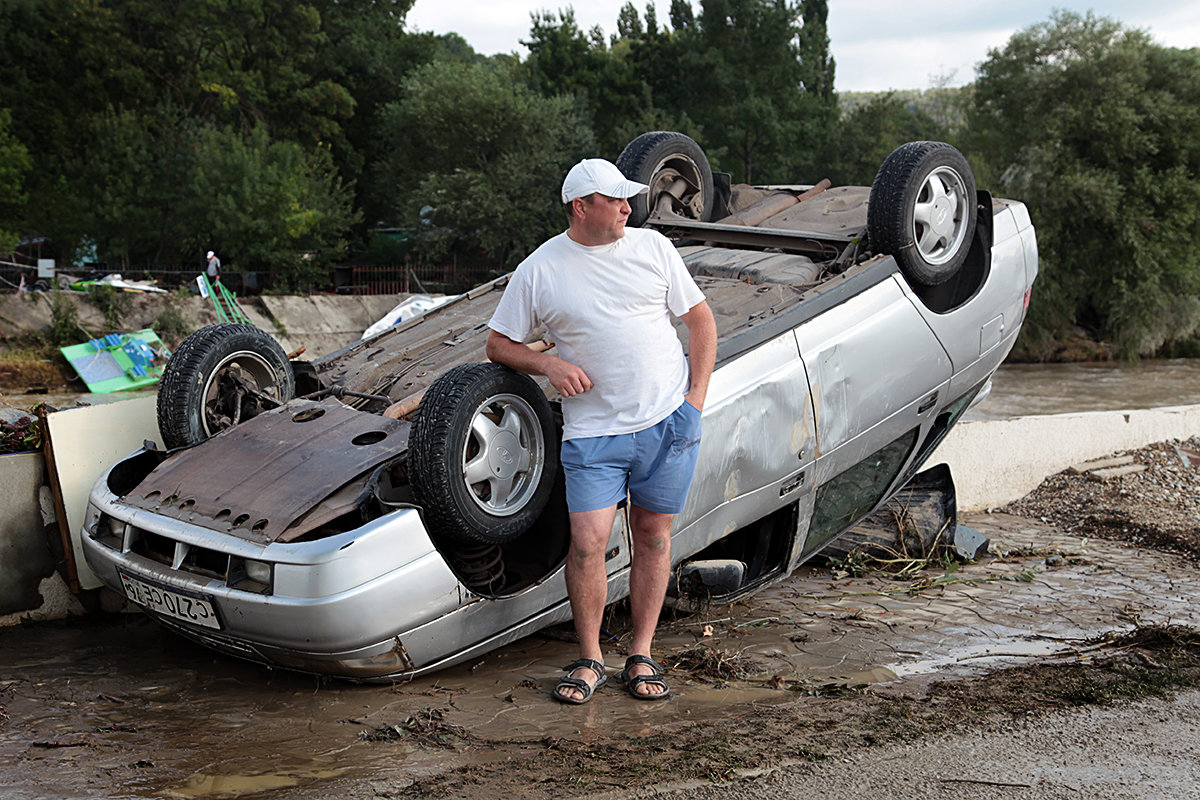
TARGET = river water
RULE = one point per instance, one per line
(1020, 390)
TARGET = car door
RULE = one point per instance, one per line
(877, 375)
(758, 443)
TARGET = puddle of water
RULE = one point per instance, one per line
(222, 786)
(62, 400)
(1009, 651)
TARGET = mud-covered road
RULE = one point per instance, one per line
(823, 671)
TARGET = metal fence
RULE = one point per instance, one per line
(452, 277)
(449, 278)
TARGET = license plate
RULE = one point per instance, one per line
(188, 608)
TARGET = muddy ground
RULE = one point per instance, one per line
(1080, 625)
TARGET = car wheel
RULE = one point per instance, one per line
(677, 172)
(219, 376)
(922, 210)
(483, 454)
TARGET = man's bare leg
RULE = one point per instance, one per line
(587, 585)
(648, 577)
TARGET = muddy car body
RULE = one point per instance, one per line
(855, 326)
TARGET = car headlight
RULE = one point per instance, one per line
(103, 528)
(249, 575)
(90, 519)
(258, 571)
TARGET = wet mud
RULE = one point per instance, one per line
(122, 708)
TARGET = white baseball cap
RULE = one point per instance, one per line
(210, 253)
(597, 175)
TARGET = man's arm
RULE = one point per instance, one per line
(702, 350)
(566, 377)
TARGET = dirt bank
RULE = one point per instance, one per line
(34, 325)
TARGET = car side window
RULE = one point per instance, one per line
(850, 496)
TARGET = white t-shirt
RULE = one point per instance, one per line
(608, 308)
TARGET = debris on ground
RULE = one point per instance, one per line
(1157, 506)
(19, 433)
(427, 729)
(715, 665)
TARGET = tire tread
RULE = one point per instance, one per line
(178, 407)
(432, 462)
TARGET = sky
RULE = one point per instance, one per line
(877, 44)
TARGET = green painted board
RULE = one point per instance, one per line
(119, 362)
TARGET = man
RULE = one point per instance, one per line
(214, 268)
(631, 400)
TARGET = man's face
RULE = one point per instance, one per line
(601, 220)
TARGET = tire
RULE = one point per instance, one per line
(219, 376)
(922, 211)
(477, 422)
(661, 159)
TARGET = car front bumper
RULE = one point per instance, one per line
(337, 605)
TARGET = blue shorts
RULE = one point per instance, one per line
(654, 466)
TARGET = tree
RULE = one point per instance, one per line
(753, 78)
(863, 138)
(370, 54)
(750, 61)
(477, 158)
(1097, 129)
(14, 165)
(166, 193)
(61, 61)
(128, 108)
(563, 61)
(273, 204)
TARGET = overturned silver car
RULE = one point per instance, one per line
(293, 523)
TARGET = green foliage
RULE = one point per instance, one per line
(492, 155)
(112, 303)
(132, 108)
(172, 324)
(753, 76)
(275, 132)
(64, 321)
(944, 106)
(564, 61)
(14, 165)
(269, 203)
(864, 137)
(1095, 128)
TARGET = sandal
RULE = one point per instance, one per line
(567, 682)
(633, 682)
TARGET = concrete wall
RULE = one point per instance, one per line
(29, 586)
(320, 323)
(997, 462)
(24, 559)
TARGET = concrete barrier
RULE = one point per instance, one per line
(30, 588)
(321, 323)
(998, 461)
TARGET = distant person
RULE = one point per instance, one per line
(214, 268)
